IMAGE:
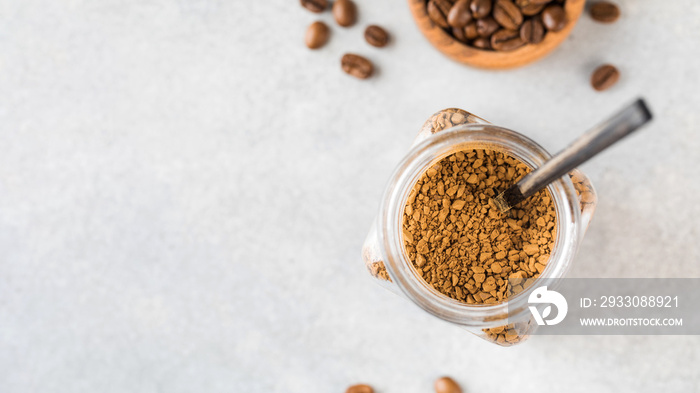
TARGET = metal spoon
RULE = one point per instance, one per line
(626, 121)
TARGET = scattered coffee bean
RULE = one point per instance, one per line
(357, 66)
(505, 40)
(554, 17)
(480, 8)
(317, 35)
(486, 26)
(459, 14)
(482, 43)
(438, 11)
(532, 31)
(605, 12)
(507, 14)
(376, 36)
(447, 385)
(361, 388)
(604, 77)
(345, 12)
(315, 5)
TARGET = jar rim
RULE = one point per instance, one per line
(414, 164)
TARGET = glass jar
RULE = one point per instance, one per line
(447, 132)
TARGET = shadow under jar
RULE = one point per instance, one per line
(506, 34)
(384, 253)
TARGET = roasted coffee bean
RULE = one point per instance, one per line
(507, 14)
(523, 3)
(491, 16)
(458, 33)
(345, 12)
(362, 388)
(438, 11)
(466, 33)
(605, 12)
(357, 66)
(482, 43)
(315, 5)
(506, 40)
(604, 77)
(376, 36)
(532, 31)
(470, 30)
(447, 385)
(317, 35)
(554, 17)
(459, 14)
(486, 26)
(480, 8)
(531, 9)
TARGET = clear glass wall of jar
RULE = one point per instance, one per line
(446, 132)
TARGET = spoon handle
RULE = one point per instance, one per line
(588, 145)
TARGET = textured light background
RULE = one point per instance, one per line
(184, 190)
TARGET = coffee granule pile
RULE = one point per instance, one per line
(463, 246)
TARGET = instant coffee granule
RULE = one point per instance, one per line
(511, 333)
(463, 246)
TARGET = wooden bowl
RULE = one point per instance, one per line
(463, 53)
